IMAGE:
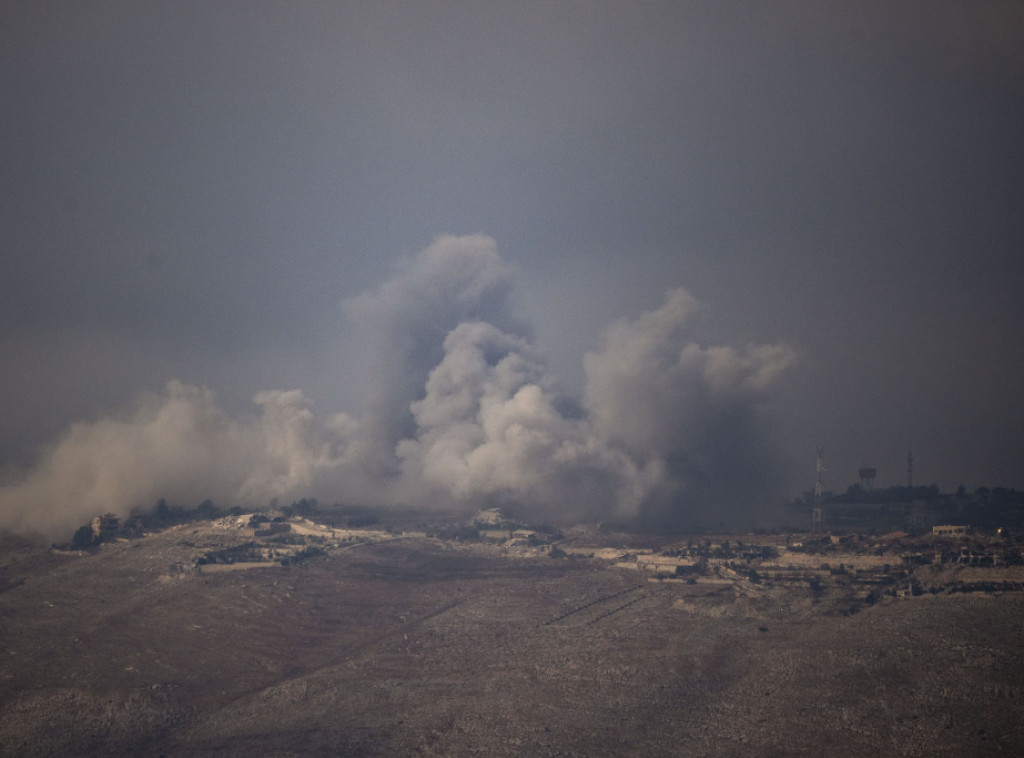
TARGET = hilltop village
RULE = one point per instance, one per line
(299, 630)
(847, 571)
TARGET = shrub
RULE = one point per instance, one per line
(83, 537)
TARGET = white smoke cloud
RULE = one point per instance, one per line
(181, 446)
(651, 384)
(688, 409)
(298, 451)
(488, 428)
(455, 279)
(466, 414)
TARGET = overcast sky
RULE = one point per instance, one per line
(206, 192)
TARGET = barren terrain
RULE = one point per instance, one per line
(408, 645)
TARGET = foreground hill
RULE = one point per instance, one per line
(393, 645)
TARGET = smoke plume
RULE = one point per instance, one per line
(692, 411)
(465, 414)
(456, 279)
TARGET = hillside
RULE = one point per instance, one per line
(384, 644)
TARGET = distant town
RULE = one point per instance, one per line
(896, 621)
(895, 542)
(915, 510)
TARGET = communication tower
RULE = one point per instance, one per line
(910, 470)
(818, 516)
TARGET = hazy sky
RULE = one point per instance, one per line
(219, 194)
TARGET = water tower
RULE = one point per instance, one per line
(867, 476)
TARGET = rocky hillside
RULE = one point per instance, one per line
(415, 646)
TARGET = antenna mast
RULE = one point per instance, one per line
(818, 516)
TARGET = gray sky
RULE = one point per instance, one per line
(193, 191)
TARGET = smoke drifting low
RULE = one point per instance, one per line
(465, 415)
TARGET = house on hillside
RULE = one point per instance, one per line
(950, 530)
(105, 527)
(489, 517)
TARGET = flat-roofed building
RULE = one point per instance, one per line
(950, 530)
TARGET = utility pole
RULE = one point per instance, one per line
(818, 516)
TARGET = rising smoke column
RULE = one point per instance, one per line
(465, 415)
(659, 395)
(671, 426)
(488, 430)
(454, 280)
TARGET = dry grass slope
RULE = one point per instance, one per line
(420, 647)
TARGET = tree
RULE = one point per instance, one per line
(206, 511)
(817, 588)
(83, 537)
(162, 514)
